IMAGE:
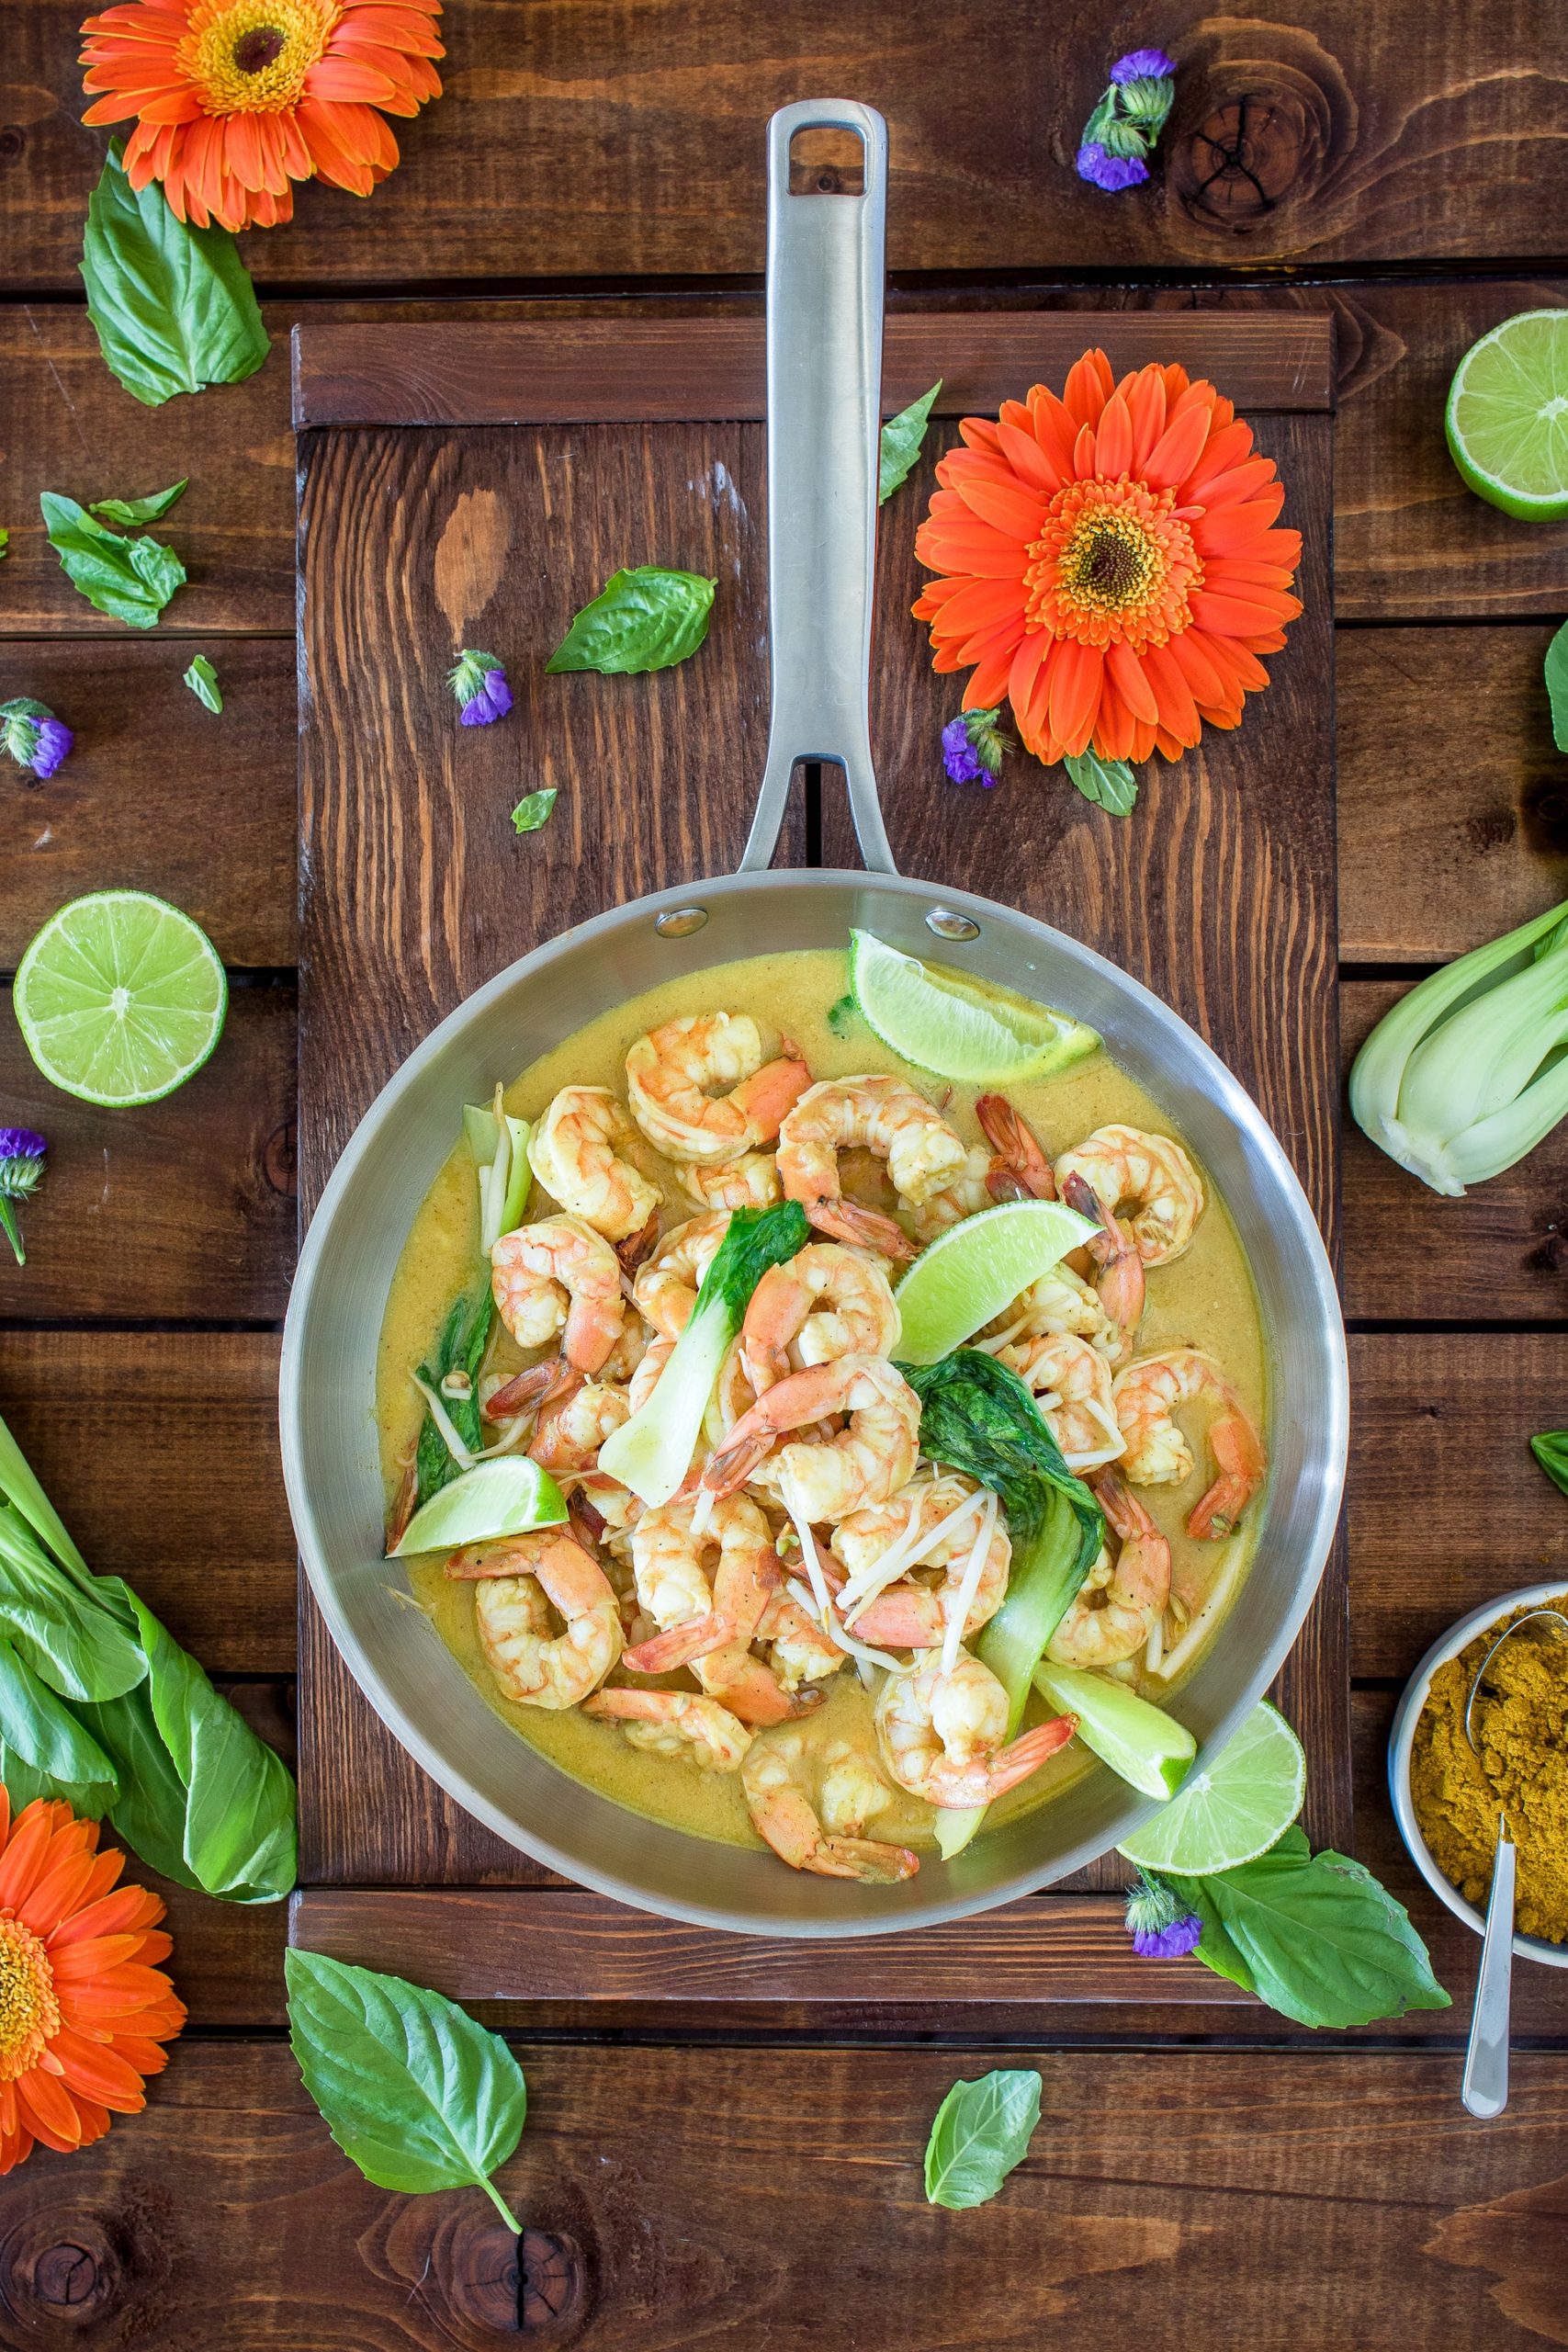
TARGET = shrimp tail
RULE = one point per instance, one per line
(860, 1228)
(1020, 1160)
(734, 1462)
(638, 1245)
(757, 1697)
(679, 1644)
(1120, 1280)
(539, 1385)
(768, 1097)
(907, 1619)
(869, 1860)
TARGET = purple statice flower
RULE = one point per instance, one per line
(959, 755)
(1110, 172)
(33, 736)
(1158, 1926)
(22, 1153)
(1143, 65)
(479, 683)
(973, 745)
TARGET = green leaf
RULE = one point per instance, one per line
(202, 680)
(75, 1646)
(646, 620)
(464, 1337)
(1550, 1449)
(131, 579)
(44, 1751)
(416, 2094)
(1320, 1939)
(900, 444)
(1557, 686)
(842, 1016)
(139, 510)
(534, 809)
(981, 2132)
(5, 543)
(1110, 783)
(173, 306)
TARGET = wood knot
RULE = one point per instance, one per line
(1263, 117)
(13, 140)
(1546, 817)
(59, 2275)
(478, 2276)
(553, 2288)
(280, 1160)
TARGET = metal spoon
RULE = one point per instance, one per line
(1486, 2087)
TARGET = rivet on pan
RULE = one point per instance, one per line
(680, 922)
(947, 924)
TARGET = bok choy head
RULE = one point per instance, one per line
(1470, 1071)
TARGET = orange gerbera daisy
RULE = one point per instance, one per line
(234, 99)
(82, 2011)
(1109, 562)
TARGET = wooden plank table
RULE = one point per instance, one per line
(1267, 2187)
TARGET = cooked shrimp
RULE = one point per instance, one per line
(1071, 1384)
(676, 1722)
(1147, 1396)
(778, 1776)
(909, 1614)
(1020, 1170)
(645, 1379)
(749, 1182)
(968, 1193)
(1114, 1616)
(882, 1115)
(798, 1650)
(667, 1560)
(572, 1426)
(715, 1640)
(559, 1273)
(1060, 1301)
(700, 1089)
(864, 1462)
(574, 1153)
(852, 1791)
(626, 1355)
(665, 1286)
(1126, 1164)
(824, 1303)
(943, 1735)
(517, 1578)
(1119, 1280)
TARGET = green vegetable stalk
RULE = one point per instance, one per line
(463, 1338)
(652, 1452)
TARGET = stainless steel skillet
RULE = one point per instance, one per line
(825, 274)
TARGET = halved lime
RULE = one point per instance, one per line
(1137, 1739)
(1232, 1811)
(972, 1271)
(120, 998)
(1507, 416)
(958, 1027)
(506, 1497)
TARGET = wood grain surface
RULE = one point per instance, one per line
(593, 140)
(1337, 2198)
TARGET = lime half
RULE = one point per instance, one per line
(971, 1271)
(120, 998)
(506, 1497)
(958, 1027)
(1507, 416)
(1233, 1810)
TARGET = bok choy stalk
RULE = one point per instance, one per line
(500, 1145)
(978, 1417)
(461, 1348)
(652, 1452)
(1469, 1072)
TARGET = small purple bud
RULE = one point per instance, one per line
(1170, 1943)
(22, 1151)
(54, 739)
(959, 755)
(1158, 1926)
(35, 738)
(1143, 65)
(479, 683)
(1107, 171)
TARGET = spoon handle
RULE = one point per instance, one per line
(1486, 2087)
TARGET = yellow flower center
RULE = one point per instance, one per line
(1112, 564)
(252, 56)
(29, 2014)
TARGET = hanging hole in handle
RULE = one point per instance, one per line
(827, 161)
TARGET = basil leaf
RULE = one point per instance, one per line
(44, 1751)
(202, 680)
(464, 1337)
(131, 579)
(646, 620)
(416, 2094)
(1324, 1944)
(1557, 686)
(139, 510)
(900, 444)
(1110, 783)
(1550, 1449)
(5, 543)
(237, 1836)
(75, 1647)
(174, 306)
(534, 809)
(981, 2132)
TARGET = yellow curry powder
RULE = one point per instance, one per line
(1518, 1766)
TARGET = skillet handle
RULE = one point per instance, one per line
(825, 280)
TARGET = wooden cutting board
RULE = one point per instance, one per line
(475, 484)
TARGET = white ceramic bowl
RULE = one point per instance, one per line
(1401, 1739)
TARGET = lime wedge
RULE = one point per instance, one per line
(971, 1271)
(958, 1027)
(1137, 1739)
(1232, 1811)
(1507, 416)
(120, 998)
(506, 1497)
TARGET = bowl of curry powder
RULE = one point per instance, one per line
(1447, 1796)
